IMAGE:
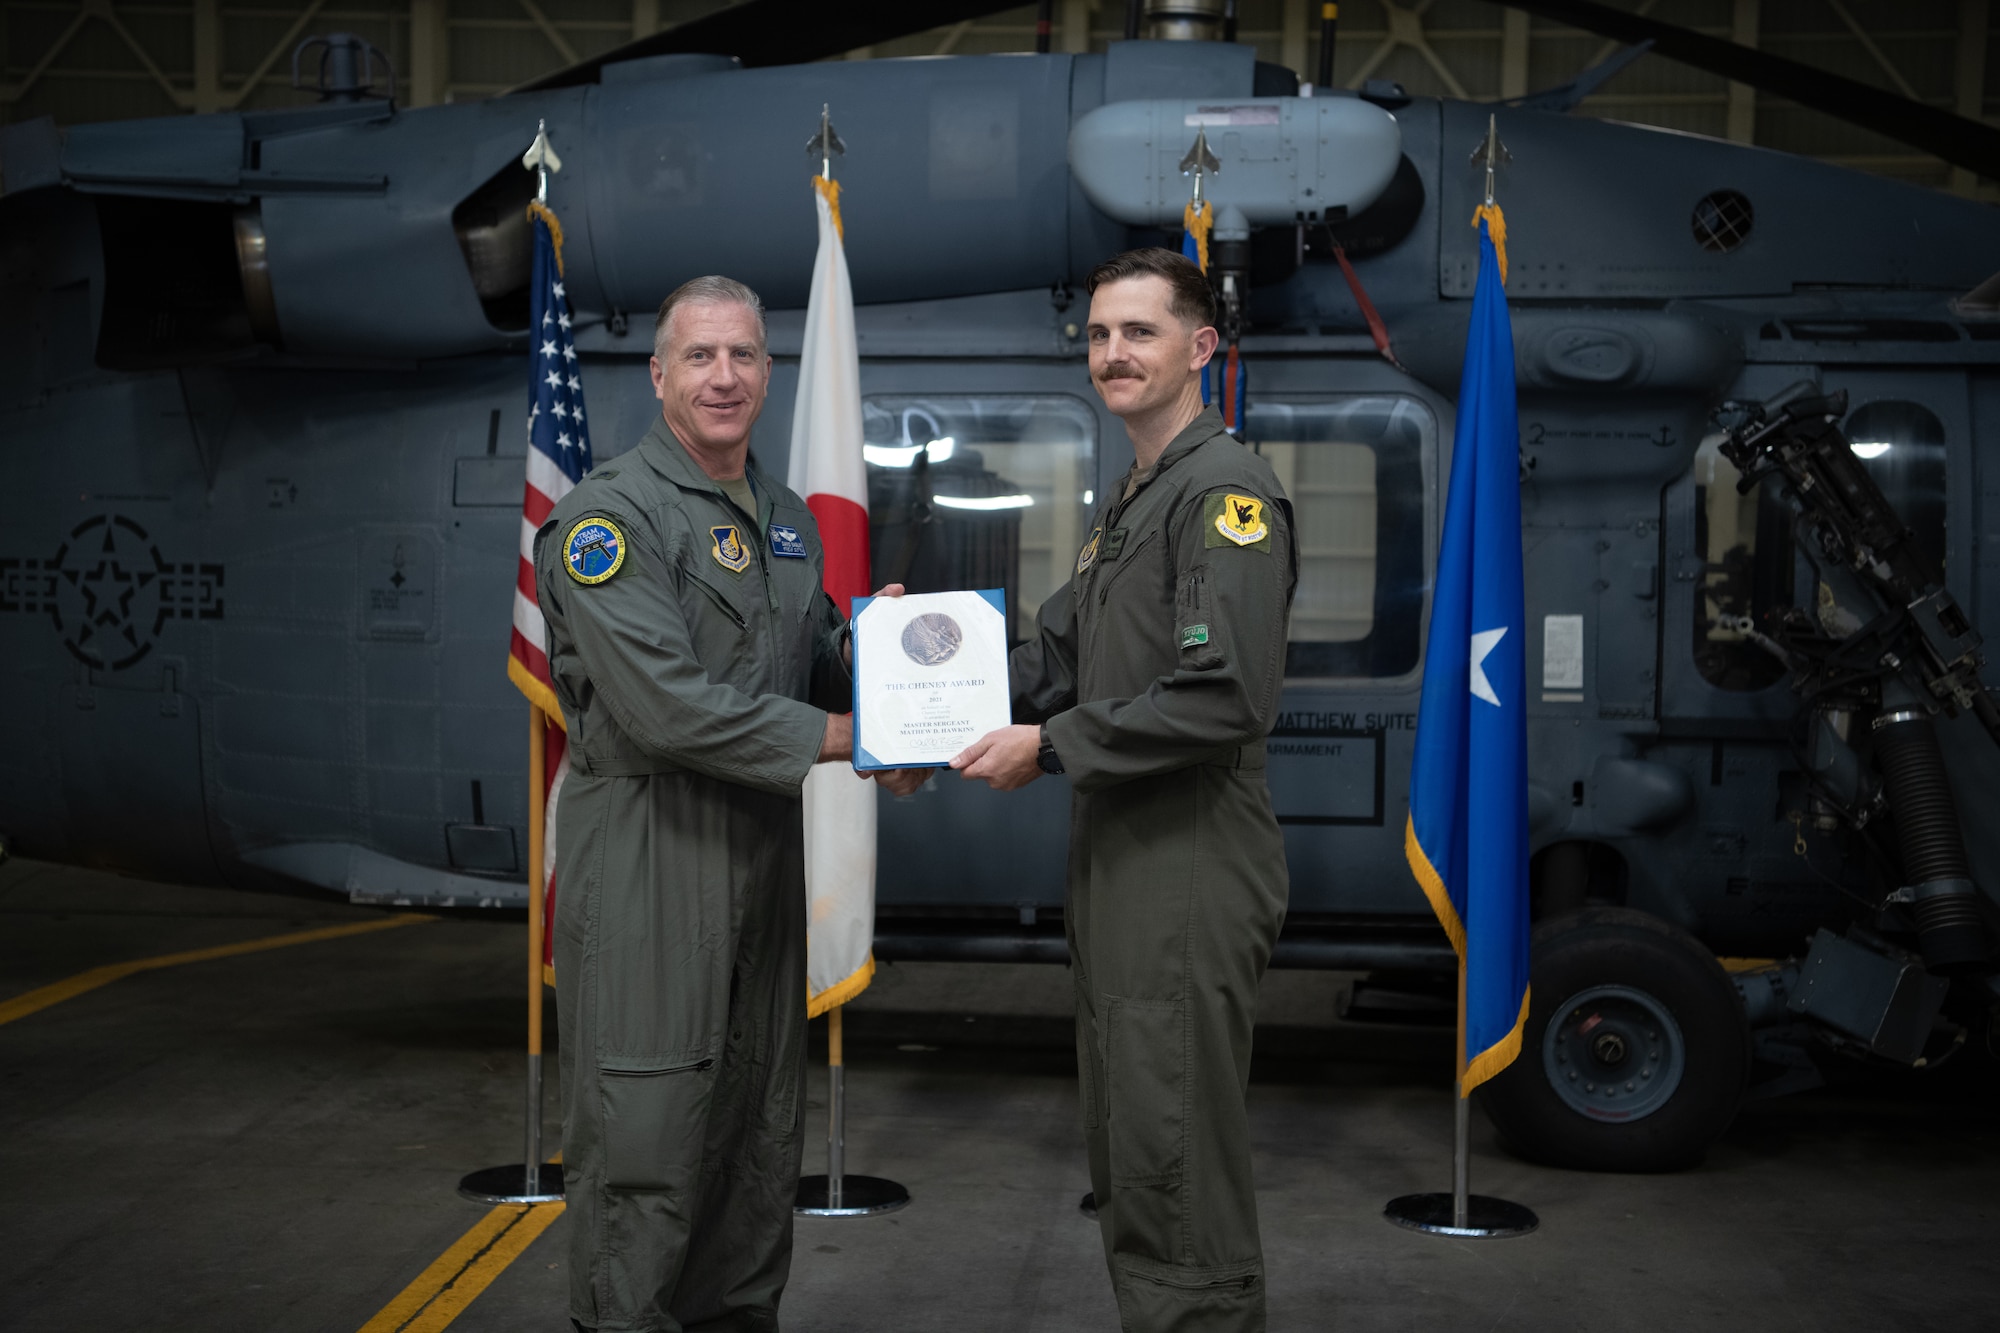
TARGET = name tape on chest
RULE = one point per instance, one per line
(1235, 520)
(786, 542)
(594, 550)
(729, 549)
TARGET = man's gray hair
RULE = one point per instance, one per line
(711, 290)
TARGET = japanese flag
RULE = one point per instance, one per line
(827, 469)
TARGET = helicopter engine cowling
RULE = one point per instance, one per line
(1278, 159)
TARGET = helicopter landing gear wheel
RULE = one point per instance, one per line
(1636, 1049)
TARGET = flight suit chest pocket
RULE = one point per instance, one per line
(715, 614)
(1135, 551)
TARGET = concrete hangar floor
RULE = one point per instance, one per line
(270, 1140)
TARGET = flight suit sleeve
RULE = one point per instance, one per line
(1041, 673)
(635, 644)
(1232, 595)
(832, 686)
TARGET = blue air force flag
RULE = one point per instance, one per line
(1467, 840)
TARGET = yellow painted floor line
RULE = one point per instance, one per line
(442, 1291)
(83, 982)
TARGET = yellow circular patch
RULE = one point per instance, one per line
(594, 550)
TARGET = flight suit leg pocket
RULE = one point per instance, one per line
(1089, 1062)
(1198, 636)
(654, 1124)
(1145, 1070)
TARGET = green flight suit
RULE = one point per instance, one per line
(1156, 671)
(695, 681)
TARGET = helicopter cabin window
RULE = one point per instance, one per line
(1745, 546)
(1902, 446)
(1745, 541)
(979, 491)
(1353, 469)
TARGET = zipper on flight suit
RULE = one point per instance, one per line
(722, 602)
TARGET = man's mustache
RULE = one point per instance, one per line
(1119, 373)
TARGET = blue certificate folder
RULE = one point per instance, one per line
(865, 762)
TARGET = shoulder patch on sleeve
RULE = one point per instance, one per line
(593, 550)
(1230, 519)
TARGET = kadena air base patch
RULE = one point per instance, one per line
(1235, 520)
(594, 550)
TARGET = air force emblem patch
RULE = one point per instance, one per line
(729, 550)
(1237, 520)
(786, 542)
(594, 550)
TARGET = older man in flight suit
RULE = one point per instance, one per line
(1155, 672)
(701, 671)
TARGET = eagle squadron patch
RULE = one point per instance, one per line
(1235, 519)
(729, 550)
(594, 550)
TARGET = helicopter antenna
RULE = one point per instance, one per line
(541, 159)
(826, 145)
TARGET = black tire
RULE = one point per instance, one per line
(1637, 1012)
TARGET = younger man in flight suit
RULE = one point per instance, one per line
(1155, 673)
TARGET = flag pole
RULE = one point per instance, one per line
(538, 769)
(527, 1182)
(1462, 1213)
(836, 1111)
(835, 1194)
(1461, 1125)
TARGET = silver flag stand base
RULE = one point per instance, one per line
(860, 1196)
(1461, 1212)
(1483, 1217)
(540, 1183)
(837, 1194)
(512, 1184)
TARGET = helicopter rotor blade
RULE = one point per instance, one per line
(1959, 141)
(782, 32)
(787, 32)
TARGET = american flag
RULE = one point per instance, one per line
(558, 456)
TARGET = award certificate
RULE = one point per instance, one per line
(930, 676)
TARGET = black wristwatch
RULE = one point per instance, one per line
(1047, 757)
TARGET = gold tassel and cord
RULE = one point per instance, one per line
(1496, 227)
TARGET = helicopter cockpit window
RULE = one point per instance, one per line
(1353, 468)
(1745, 546)
(979, 491)
(1745, 541)
(1902, 446)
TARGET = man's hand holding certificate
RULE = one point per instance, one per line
(930, 676)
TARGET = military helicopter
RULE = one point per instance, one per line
(261, 420)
